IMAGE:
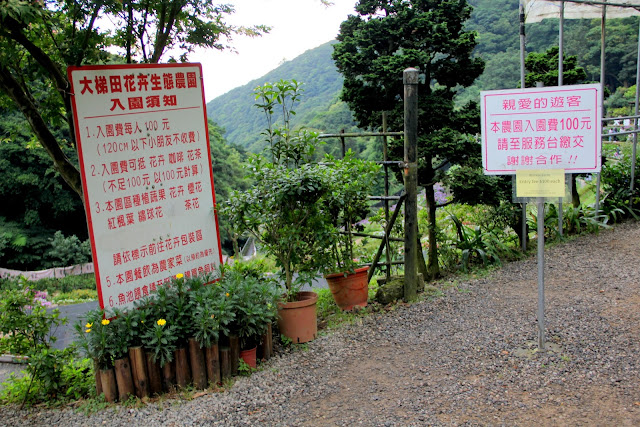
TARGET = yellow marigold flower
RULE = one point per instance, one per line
(88, 330)
(227, 294)
(212, 316)
(179, 276)
(162, 322)
(88, 325)
(105, 322)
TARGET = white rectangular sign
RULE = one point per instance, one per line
(143, 146)
(542, 128)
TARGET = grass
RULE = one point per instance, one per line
(76, 296)
(331, 316)
(61, 291)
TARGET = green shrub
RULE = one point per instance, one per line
(72, 380)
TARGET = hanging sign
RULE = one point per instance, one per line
(143, 147)
(541, 128)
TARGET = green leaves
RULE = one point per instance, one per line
(284, 210)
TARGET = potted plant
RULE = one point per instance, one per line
(347, 204)
(284, 210)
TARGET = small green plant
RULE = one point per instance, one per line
(254, 300)
(160, 339)
(52, 376)
(244, 369)
(474, 242)
(92, 405)
(286, 341)
(95, 337)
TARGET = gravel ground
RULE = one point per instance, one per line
(466, 358)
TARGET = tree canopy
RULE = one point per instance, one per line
(385, 38)
(39, 40)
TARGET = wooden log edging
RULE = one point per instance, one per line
(137, 374)
(139, 371)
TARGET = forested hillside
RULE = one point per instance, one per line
(35, 202)
(495, 21)
(319, 107)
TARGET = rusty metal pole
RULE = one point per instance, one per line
(525, 235)
(410, 80)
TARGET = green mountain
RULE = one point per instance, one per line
(496, 23)
(319, 108)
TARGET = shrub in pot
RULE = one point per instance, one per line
(347, 204)
(284, 210)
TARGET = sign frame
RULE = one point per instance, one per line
(573, 128)
(175, 93)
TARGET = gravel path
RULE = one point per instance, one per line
(466, 358)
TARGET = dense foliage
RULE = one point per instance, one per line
(319, 110)
(40, 40)
(35, 201)
(374, 49)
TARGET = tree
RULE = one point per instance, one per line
(385, 38)
(543, 67)
(229, 175)
(39, 40)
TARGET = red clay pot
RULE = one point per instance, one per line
(297, 320)
(351, 289)
(249, 356)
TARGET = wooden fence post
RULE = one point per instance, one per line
(410, 80)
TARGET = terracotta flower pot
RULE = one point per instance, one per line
(297, 319)
(351, 289)
(249, 357)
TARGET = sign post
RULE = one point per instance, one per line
(539, 135)
(143, 147)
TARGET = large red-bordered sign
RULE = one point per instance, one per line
(542, 128)
(143, 146)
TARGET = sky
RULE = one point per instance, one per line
(297, 26)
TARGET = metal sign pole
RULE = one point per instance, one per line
(603, 26)
(522, 86)
(560, 81)
(635, 124)
(541, 337)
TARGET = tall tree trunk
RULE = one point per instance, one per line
(25, 103)
(575, 196)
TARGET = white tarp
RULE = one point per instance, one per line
(537, 10)
(49, 273)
